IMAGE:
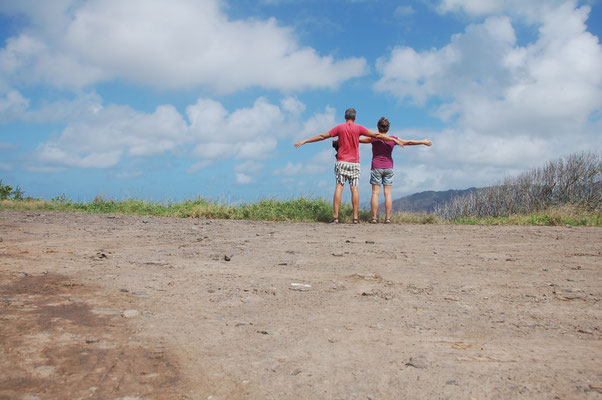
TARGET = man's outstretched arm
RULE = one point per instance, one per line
(381, 136)
(316, 138)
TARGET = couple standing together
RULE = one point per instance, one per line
(347, 167)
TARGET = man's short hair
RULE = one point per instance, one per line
(383, 125)
(350, 114)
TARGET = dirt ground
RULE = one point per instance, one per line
(125, 307)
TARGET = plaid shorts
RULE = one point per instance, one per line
(346, 171)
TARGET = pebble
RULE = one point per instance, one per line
(417, 362)
(130, 313)
(75, 299)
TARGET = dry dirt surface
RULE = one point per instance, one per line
(127, 307)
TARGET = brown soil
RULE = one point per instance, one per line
(123, 307)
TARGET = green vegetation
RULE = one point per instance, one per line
(7, 192)
(307, 210)
(294, 210)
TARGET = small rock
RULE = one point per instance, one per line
(156, 263)
(263, 332)
(227, 258)
(300, 286)
(106, 311)
(417, 362)
(296, 372)
(369, 242)
(338, 254)
(75, 299)
(91, 340)
(130, 313)
(123, 290)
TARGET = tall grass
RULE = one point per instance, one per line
(574, 181)
(293, 210)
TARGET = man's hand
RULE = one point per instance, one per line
(427, 142)
(299, 144)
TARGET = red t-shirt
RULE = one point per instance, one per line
(349, 141)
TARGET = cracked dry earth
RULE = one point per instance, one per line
(129, 307)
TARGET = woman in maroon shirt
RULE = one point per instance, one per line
(381, 172)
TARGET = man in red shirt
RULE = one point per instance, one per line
(347, 167)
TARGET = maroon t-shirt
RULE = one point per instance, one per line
(382, 153)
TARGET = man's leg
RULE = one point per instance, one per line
(336, 201)
(388, 201)
(374, 200)
(355, 200)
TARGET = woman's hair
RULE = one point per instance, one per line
(383, 125)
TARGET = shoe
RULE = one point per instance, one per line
(387, 221)
(356, 221)
(373, 221)
(334, 221)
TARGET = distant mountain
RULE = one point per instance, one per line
(425, 201)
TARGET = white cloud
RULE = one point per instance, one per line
(292, 105)
(197, 166)
(243, 133)
(404, 11)
(99, 137)
(320, 163)
(507, 106)
(243, 179)
(162, 44)
(529, 10)
(15, 107)
(318, 123)
(11, 105)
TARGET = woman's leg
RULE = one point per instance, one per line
(374, 200)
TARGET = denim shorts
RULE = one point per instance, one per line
(383, 176)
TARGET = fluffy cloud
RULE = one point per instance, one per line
(529, 9)
(163, 44)
(244, 133)
(506, 105)
(14, 107)
(318, 164)
(99, 137)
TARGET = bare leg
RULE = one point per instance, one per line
(336, 201)
(388, 201)
(355, 201)
(374, 200)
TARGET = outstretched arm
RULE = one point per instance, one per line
(316, 138)
(381, 136)
(426, 142)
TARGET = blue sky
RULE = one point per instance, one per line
(164, 100)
